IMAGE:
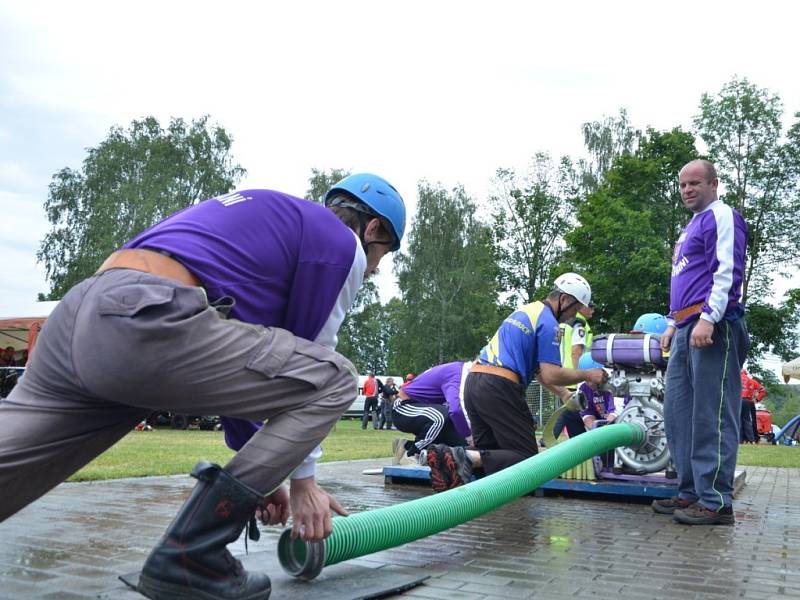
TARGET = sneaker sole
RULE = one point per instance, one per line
(439, 478)
(463, 465)
(452, 470)
(663, 510)
(721, 520)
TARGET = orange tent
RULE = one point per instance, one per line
(21, 331)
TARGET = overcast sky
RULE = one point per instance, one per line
(443, 91)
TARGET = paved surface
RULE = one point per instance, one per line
(74, 542)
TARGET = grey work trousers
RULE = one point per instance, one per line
(123, 344)
(702, 403)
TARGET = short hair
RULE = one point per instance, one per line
(711, 171)
(347, 215)
(708, 167)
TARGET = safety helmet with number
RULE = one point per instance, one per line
(653, 323)
(574, 285)
(379, 195)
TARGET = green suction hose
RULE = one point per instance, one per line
(375, 530)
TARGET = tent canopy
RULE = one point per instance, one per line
(19, 325)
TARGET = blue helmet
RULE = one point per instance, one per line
(380, 196)
(651, 323)
(587, 362)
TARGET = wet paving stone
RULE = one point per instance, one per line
(74, 542)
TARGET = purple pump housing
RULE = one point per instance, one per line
(628, 350)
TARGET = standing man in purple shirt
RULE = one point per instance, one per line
(432, 408)
(708, 342)
(134, 339)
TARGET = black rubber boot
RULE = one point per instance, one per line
(191, 561)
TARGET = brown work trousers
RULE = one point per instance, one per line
(123, 344)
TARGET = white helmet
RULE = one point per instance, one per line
(574, 285)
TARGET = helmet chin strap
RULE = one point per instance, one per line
(363, 220)
(560, 311)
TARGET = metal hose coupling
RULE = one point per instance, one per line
(300, 559)
(645, 434)
(576, 402)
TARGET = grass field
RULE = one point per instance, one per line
(767, 455)
(168, 452)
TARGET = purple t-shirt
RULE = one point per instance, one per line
(440, 385)
(283, 259)
(708, 264)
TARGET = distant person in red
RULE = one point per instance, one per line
(752, 392)
(370, 402)
(759, 391)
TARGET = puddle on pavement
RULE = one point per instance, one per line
(38, 558)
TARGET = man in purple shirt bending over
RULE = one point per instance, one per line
(134, 339)
(708, 342)
(432, 408)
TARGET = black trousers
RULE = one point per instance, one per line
(502, 423)
(749, 426)
(430, 424)
(370, 408)
(572, 421)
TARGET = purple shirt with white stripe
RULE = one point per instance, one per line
(708, 264)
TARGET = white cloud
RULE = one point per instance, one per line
(22, 226)
(15, 175)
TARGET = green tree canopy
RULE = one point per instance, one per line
(131, 180)
(365, 334)
(321, 181)
(772, 328)
(759, 168)
(627, 229)
(530, 215)
(448, 281)
(605, 141)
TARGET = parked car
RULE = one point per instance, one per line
(181, 421)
